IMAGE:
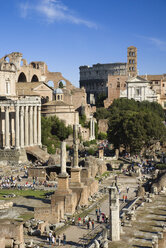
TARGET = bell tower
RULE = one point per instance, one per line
(132, 61)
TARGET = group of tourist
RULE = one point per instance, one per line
(53, 240)
(101, 217)
(9, 182)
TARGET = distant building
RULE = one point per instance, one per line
(138, 89)
(95, 79)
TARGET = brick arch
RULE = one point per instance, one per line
(22, 77)
(34, 78)
(56, 77)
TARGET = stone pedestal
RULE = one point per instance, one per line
(75, 176)
(101, 153)
(63, 182)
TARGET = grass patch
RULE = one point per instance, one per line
(25, 193)
(26, 216)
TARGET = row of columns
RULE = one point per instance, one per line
(26, 127)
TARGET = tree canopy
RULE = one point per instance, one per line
(135, 124)
(61, 85)
(54, 131)
(100, 100)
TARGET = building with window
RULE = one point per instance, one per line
(138, 88)
(95, 79)
(20, 116)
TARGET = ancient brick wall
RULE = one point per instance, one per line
(39, 173)
(115, 85)
(12, 231)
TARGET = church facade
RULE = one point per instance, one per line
(138, 88)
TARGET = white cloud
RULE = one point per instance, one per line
(53, 10)
(155, 41)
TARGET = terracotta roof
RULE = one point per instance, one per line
(56, 103)
(152, 77)
(28, 88)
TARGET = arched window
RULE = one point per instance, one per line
(61, 84)
(22, 77)
(7, 59)
(51, 84)
(34, 79)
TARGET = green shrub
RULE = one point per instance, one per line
(160, 166)
(86, 143)
(91, 151)
(102, 136)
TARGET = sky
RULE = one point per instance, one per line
(66, 34)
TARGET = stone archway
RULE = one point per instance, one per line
(22, 77)
(34, 78)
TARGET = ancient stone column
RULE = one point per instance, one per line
(3, 127)
(17, 127)
(35, 125)
(12, 136)
(75, 146)
(63, 158)
(39, 125)
(26, 127)
(22, 126)
(31, 126)
(91, 129)
(114, 214)
(75, 171)
(63, 178)
(7, 141)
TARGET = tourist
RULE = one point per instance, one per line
(98, 218)
(64, 238)
(87, 224)
(83, 221)
(53, 239)
(50, 237)
(79, 221)
(93, 224)
(73, 221)
(103, 217)
(90, 224)
(96, 211)
(127, 189)
(59, 240)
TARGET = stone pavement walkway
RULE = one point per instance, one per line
(75, 233)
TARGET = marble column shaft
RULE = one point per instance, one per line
(75, 146)
(63, 158)
(17, 127)
(26, 127)
(7, 142)
(35, 125)
(39, 125)
(22, 126)
(31, 126)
